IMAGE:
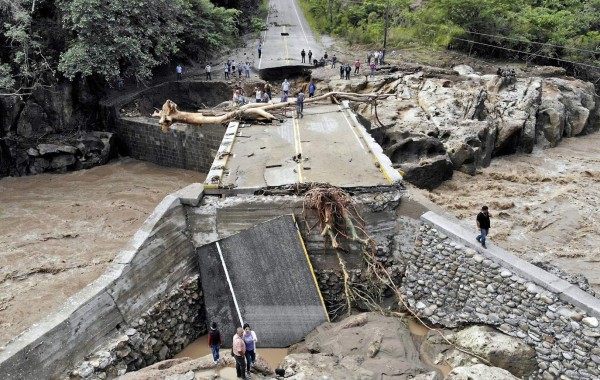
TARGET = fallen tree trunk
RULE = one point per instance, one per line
(255, 111)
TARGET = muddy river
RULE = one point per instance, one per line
(59, 232)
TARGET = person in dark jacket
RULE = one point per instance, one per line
(303, 55)
(214, 341)
(483, 224)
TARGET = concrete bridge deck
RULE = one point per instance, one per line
(327, 145)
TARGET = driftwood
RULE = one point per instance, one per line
(255, 111)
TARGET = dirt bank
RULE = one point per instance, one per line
(60, 232)
(544, 205)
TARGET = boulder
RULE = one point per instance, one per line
(61, 161)
(568, 108)
(428, 173)
(33, 121)
(44, 149)
(480, 372)
(503, 351)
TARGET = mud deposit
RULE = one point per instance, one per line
(60, 232)
(545, 205)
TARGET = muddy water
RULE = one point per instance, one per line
(59, 232)
(418, 331)
(200, 348)
(544, 205)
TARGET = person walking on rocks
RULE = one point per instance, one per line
(214, 341)
(483, 224)
(179, 70)
(333, 61)
(247, 70)
(312, 87)
(303, 55)
(250, 341)
(226, 69)
(259, 51)
(238, 349)
(357, 67)
(208, 69)
(286, 87)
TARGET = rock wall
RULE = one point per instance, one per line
(452, 284)
(160, 332)
(184, 146)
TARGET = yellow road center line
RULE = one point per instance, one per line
(358, 131)
(312, 271)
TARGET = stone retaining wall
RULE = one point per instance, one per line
(183, 146)
(160, 333)
(452, 284)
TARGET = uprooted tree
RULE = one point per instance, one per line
(253, 111)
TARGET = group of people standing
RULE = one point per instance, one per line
(243, 348)
(346, 69)
(376, 56)
(230, 68)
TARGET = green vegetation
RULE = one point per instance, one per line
(43, 41)
(532, 29)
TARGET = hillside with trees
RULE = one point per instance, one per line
(563, 33)
(46, 41)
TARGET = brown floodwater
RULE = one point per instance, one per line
(418, 332)
(59, 232)
(200, 348)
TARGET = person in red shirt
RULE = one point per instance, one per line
(357, 67)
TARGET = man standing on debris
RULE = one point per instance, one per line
(357, 67)
(312, 87)
(247, 70)
(333, 61)
(303, 55)
(226, 69)
(286, 87)
(309, 55)
(240, 68)
(239, 353)
(483, 224)
(179, 70)
(300, 104)
(269, 90)
(259, 51)
(342, 70)
(214, 341)
(348, 70)
(208, 69)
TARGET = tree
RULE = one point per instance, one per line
(130, 37)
